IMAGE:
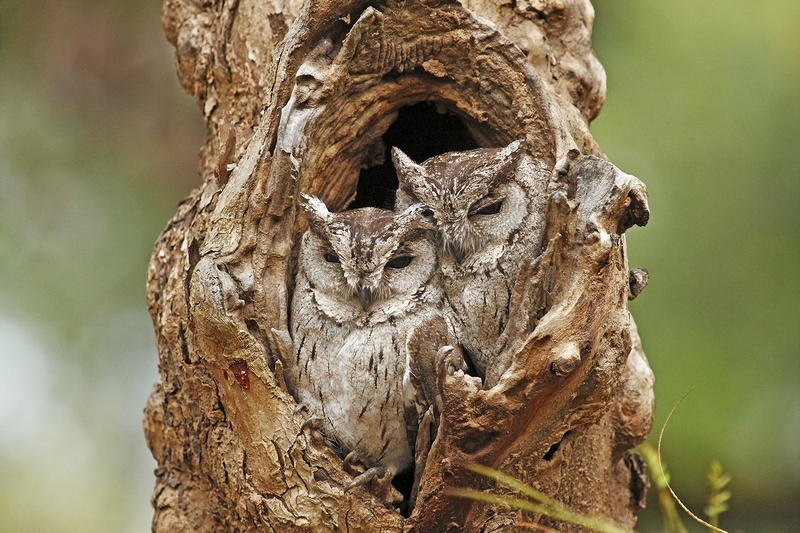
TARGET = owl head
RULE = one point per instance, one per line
(472, 195)
(367, 258)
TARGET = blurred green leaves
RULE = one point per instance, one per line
(93, 155)
(720, 496)
(703, 107)
(97, 145)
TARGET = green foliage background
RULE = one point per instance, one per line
(704, 106)
(98, 143)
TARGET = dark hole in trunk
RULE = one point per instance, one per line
(554, 448)
(404, 483)
(421, 132)
(469, 358)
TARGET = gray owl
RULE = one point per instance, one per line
(366, 278)
(488, 205)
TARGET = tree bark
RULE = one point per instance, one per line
(303, 98)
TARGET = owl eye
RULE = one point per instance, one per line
(491, 209)
(332, 258)
(400, 262)
(427, 213)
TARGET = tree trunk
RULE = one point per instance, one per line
(308, 98)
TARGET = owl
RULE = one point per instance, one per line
(488, 205)
(366, 278)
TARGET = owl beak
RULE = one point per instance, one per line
(365, 297)
(458, 253)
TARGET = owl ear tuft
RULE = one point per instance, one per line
(508, 156)
(316, 212)
(409, 173)
(411, 219)
(512, 149)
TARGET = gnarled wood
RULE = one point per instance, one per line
(298, 98)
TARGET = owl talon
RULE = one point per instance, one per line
(351, 464)
(300, 407)
(451, 359)
(315, 435)
(444, 351)
(313, 422)
(362, 479)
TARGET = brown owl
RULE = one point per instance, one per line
(488, 206)
(366, 279)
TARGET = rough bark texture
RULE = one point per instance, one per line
(297, 98)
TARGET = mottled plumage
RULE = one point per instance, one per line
(488, 205)
(365, 279)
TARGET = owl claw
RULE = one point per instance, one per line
(313, 422)
(347, 462)
(444, 351)
(451, 359)
(299, 407)
(362, 479)
(315, 435)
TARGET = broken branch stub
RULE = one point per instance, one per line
(571, 392)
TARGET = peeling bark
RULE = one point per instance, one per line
(301, 98)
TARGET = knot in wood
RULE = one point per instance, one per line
(565, 361)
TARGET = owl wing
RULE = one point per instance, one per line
(419, 383)
(283, 352)
(429, 351)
